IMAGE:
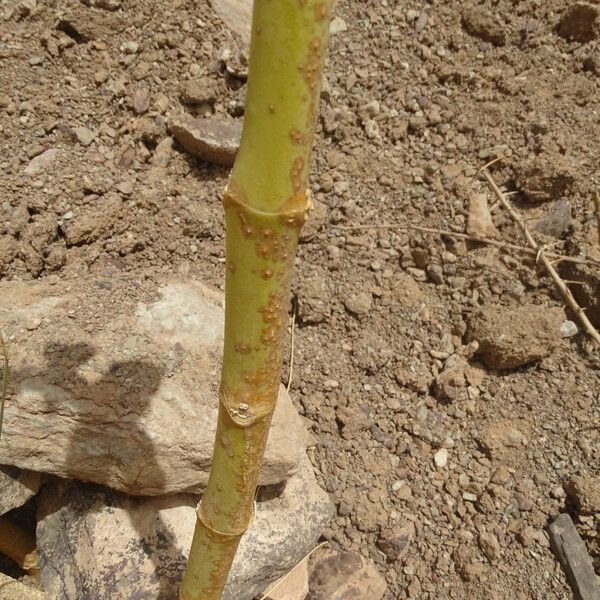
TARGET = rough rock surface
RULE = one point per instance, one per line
(16, 487)
(95, 543)
(556, 221)
(213, 140)
(513, 337)
(11, 589)
(115, 382)
(585, 493)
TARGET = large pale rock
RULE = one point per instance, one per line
(237, 15)
(96, 544)
(114, 381)
(16, 487)
(11, 589)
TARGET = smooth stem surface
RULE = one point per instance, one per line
(266, 204)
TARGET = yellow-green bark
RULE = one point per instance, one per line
(266, 203)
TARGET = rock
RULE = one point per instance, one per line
(16, 487)
(315, 295)
(359, 304)
(496, 437)
(395, 542)
(453, 382)
(584, 492)
(514, 337)
(213, 140)
(95, 543)
(440, 458)
(292, 586)
(577, 564)
(130, 402)
(556, 221)
(344, 576)
(569, 329)
(162, 153)
(199, 90)
(84, 135)
(141, 100)
(490, 546)
(26, 7)
(546, 176)
(130, 47)
(56, 257)
(11, 589)
(479, 22)
(41, 161)
(480, 220)
(338, 25)
(237, 15)
(106, 4)
(580, 22)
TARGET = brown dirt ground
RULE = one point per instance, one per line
(419, 97)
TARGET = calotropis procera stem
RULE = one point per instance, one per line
(266, 203)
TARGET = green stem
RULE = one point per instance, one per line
(266, 204)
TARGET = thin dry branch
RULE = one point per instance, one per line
(596, 197)
(543, 258)
(474, 238)
(3, 379)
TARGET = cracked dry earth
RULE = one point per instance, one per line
(453, 403)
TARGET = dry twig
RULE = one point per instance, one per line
(473, 238)
(596, 197)
(3, 379)
(543, 258)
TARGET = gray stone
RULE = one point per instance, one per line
(569, 329)
(84, 135)
(94, 543)
(556, 221)
(395, 542)
(213, 140)
(16, 487)
(358, 304)
(115, 381)
(41, 161)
